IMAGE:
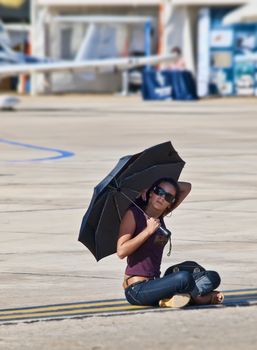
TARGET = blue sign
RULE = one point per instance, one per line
(230, 73)
(168, 84)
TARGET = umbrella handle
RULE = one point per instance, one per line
(164, 231)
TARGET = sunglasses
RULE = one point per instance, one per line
(167, 196)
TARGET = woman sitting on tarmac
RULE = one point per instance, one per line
(142, 238)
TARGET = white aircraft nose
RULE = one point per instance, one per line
(8, 102)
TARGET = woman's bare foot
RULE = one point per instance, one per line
(214, 297)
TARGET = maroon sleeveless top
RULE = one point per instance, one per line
(146, 260)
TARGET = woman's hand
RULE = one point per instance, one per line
(152, 225)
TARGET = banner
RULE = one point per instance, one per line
(156, 86)
(168, 84)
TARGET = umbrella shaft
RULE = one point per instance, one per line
(138, 207)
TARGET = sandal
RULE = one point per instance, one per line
(176, 301)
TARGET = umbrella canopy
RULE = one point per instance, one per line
(244, 14)
(114, 194)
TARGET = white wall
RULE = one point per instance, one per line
(178, 31)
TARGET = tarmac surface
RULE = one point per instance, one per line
(55, 149)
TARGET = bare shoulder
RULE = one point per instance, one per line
(128, 223)
(128, 216)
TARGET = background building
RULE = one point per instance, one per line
(211, 49)
(55, 37)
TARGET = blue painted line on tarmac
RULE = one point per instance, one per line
(60, 153)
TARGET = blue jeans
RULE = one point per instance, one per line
(151, 291)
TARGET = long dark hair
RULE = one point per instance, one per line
(143, 203)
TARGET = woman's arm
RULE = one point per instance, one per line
(127, 245)
(184, 188)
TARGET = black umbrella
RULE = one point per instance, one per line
(114, 194)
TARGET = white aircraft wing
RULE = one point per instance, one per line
(97, 66)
